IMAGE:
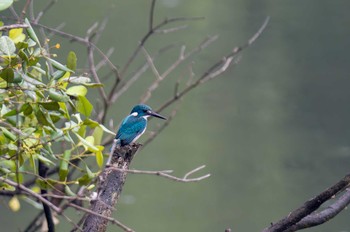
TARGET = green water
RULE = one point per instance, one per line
(273, 131)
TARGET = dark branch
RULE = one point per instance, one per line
(309, 207)
(110, 185)
(42, 170)
(331, 211)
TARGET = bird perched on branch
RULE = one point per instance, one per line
(134, 125)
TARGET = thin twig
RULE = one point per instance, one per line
(182, 57)
(32, 193)
(166, 174)
(151, 15)
(137, 74)
(110, 219)
(46, 8)
(103, 61)
(13, 26)
(24, 10)
(148, 35)
(220, 65)
(164, 125)
(95, 75)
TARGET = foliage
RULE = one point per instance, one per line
(43, 104)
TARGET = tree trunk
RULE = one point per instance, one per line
(110, 185)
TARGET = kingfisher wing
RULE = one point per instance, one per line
(130, 129)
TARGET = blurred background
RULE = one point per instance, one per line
(273, 131)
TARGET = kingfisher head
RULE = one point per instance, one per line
(145, 111)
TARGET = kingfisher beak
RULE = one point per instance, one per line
(154, 114)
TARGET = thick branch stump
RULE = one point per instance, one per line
(110, 185)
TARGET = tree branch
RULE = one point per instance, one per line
(310, 206)
(323, 216)
(165, 173)
(110, 184)
(42, 170)
(31, 193)
(13, 26)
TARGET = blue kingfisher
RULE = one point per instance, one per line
(134, 125)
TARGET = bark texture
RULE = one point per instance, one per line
(110, 185)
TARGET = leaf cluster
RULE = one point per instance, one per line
(44, 113)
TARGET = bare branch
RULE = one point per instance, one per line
(24, 10)
(151, 32)
(110, 219)
(137, 74)
(170, 30)
(151, 15)
(166, 174)
(103, 61)
(182, 57)
(165, 124)
(95, 75)
(31, 193)
(46, 8)
(323, 216)
(13, 26)
(221, 65)
(310, 206)
(151, 64)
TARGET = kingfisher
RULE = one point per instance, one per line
(134, 125)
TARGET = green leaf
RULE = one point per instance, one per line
(31, 32)
(50, 105)
(72, 61)
(93, 85)
(98, 133)
(22, 45)
(63, 169)
(64, 109)
(17, 35)
(14, 204)
(8, 134)
(84, 106)
(38, 71)
(9, 164)
(91, 123)
(10, 113)
(77, 90)
(82, 130)
(58, 65)
(4, 4)
(44, 118)
(58, 96)
(4, 186)
(79, 80)
(88, 145)
(68, 191)
(7, 46)
(26, 109)
(33, 81)
(58, 74)
(106, 130)
(86, 178)
(99, 158)
(8, 75)
(32, 202)
(45, 160)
